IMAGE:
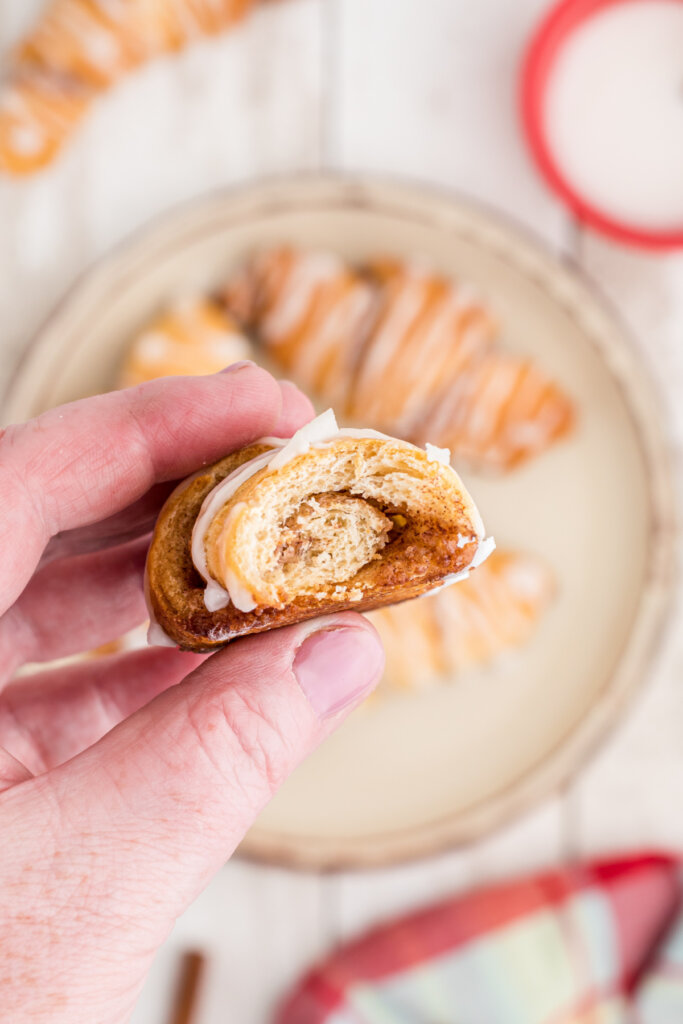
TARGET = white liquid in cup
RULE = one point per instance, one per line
(614, 112)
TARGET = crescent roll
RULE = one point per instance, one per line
(494, 611)
(287, 529)
(190, 338)
(311, 312)
(424, 320)
(403, 348)
(80, 48)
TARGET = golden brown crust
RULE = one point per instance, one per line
(416, 559)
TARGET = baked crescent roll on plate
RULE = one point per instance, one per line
(311, 311)
(440, 637)
(288, 529)
(78, 49)
(403, 348)
(192, 337)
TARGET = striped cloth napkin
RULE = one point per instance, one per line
(598, 943)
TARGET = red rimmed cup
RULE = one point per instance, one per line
(546, 43)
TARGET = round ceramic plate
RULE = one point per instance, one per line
(410, 774)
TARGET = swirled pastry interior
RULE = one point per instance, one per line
(285, 530)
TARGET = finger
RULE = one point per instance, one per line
(79, 463)
(12, 771)
(51, 716)
(75, 604)
(197, 764)
(139, 518)
(135, 521)
(297, 408)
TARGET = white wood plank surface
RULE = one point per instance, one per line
(396, 87)
(239, 106)
(430, 91)
(259, 928)
(630, 795)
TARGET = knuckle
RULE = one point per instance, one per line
(242, 743)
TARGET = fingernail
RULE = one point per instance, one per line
(235, 367)
(337, 667)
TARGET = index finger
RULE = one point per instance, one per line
(82, 462)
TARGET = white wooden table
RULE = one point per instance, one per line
(426, 90)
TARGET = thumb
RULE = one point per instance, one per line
(178, 784)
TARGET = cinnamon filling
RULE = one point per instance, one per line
(329, 538)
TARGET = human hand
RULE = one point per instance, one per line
(126, 782)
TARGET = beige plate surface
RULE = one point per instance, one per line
(412, 774)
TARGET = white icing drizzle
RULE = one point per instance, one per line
(465, 339)
(526, 579)
(399, 318)
(102, 50)
(216, 596)
(228, 347)
(318, 433)
(239, 595)
(435, 454)
(429, 343)
(156, 636)
(96, 41)
(307, 274)
(135, 639)
(151, 347)
(343, 320)
(26, 140)
(361, 432)
(13, 103)
(486, 547)
(322, 428)
(494, 392)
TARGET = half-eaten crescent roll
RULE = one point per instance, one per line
(287, 529)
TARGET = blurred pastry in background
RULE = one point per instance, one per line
(498, 412)
(496, 610)
(427, 331)
(311, 312)
(439, 636)
(409, 351)
(79, 48)
(134, 640)
(434, 639)
(192, 337)
(35, 116)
